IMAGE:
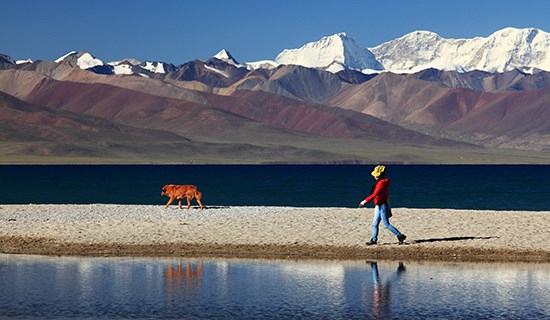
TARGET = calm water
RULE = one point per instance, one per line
(86, 288)
(506, 187)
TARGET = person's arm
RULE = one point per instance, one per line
(373, 195)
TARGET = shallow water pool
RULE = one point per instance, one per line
(40, 287)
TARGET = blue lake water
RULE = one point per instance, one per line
(98, 288)
(499, 187)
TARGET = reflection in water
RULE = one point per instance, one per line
(176, 274)
(382, 290)
(179, 278)
(38, 287)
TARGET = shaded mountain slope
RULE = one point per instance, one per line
(29, 131)
(318, 119)
(493, 119)
(223, 117)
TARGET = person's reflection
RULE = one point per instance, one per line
(382, 291)
(178, 275)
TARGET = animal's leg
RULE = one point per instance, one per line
(169, 201)
(179, 203)
(198, 197)
(188, 202)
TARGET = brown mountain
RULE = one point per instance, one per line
(29, 129)
(33, 133)
(517, 119)
(212, 111)
(243, 116)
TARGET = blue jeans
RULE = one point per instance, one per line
(380, 215)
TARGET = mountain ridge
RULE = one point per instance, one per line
(526, 49)
(220, 110)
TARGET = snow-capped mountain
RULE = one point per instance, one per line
(505, 50)
(502, 51)
(125, 66)
(87, 61)
(336, 52)
(224, 55)
(82, 60)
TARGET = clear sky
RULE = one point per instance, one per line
(178, 31)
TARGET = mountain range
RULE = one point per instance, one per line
(416, 99)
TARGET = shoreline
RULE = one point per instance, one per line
(106, 230)
(48, 247)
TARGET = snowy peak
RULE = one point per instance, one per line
(336, 50)
(82, 60)
(144, 69)
(527, 50)
(516, 48)
(504, 50)
(224, 55)
(125, 66)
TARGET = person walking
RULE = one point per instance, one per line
(382, 210)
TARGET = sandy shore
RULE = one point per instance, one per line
(272, 232)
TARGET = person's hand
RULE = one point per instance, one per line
(362, 203)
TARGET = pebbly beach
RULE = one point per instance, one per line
(272, 232)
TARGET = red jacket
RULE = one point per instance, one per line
(381, 192)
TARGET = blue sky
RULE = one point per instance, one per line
(180, 31)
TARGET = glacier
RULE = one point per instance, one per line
(335, 50)
(507, 49)
(504, 50)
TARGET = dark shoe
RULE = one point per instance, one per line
(370, 242)
(401, 238)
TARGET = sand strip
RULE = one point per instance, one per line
(272, 232)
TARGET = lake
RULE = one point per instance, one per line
(34, 287)
(489, 187)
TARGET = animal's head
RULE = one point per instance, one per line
(165, 190)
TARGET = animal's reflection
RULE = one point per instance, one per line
(179, 276)
(382, 290)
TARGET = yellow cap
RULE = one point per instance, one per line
(378, 170)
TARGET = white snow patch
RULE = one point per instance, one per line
(262, 64)
(223, 73)
(122, 69)
(65, 56)
(23, 61)
(155, 67)
(224, 55)
(87, 61)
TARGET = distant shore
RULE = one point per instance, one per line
(272, 232)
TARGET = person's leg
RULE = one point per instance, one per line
(375, 223)
(386, 221)
(375, 275)
(387, 224)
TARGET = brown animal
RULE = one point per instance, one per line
(175, 191)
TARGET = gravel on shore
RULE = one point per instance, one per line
(272, 232)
